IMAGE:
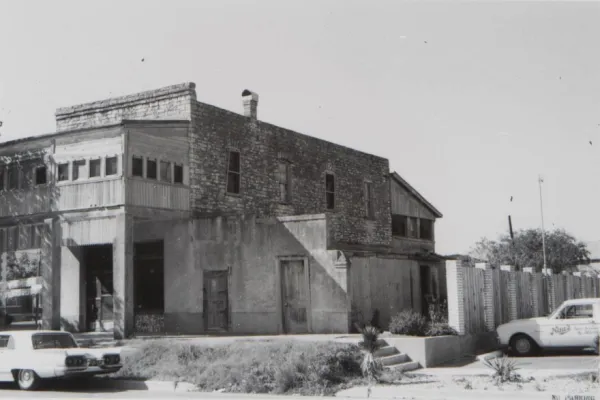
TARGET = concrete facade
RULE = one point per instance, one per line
(245, 218)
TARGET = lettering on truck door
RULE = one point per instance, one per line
(575, 326)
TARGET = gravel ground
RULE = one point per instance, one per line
(572, 384)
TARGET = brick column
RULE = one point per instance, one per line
(50, 273)
(512, 292)
(123, 277)
(456, 301)
(488, 295)
(533, 294)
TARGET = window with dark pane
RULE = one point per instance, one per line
(137, 166)
(284, 181)
(26, 171)
(41, 175)
(165, 171)
(151, 169)
(178, 173)
(2, 185)
(413, 227)
(399, 227)
(13, 177)
(95, 168)
(78, 170)
(426, 229)
(2, 242)
(233, 172)
(63, 172)
(111, 166)
(330, 191)
(368, 197)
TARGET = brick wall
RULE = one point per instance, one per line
(261, 146)
(172, 102)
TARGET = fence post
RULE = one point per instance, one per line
(533, 293)
(455, 290)
(489, 296)
(512, 292)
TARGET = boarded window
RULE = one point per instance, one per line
(233, 172)
(137, 166)
(41, 175)
(399, 225)
(63, 172)
(413, 227)
(151, 169)
(165, 171)
(78, 169)
(13, 177)
(178, 173)
(95, 168)
(111, 166)
(330, 191)
(284, 181)
(426, 229)
(368, 196)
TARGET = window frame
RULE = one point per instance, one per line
(107, 161)
(95, 159)
(155, 161)
(35, 175)
(287, 181)
(17, 171)
(169, 177)
(330, 192)
(405, 225)
(175, 166)
(368, 200)
(75, 175)
(68, 174)
(142, 161)
(237, 174)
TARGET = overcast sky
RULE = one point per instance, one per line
(469, 101)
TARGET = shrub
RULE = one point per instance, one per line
(408, 322)
(371, 367)
(504, 369)
(440, 329)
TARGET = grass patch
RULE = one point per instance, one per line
(283, 367)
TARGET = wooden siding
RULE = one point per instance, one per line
(157, 195)
(25, 202)
(168, 148)
(87, 232)
(404, 203)
(87, 148)
(103, 193)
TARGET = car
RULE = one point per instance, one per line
(29, 357)
(575, 324)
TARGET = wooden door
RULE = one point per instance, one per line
(295, 295)
(215, 300)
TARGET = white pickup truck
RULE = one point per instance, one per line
(574, 325)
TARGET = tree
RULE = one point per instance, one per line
(563, 251)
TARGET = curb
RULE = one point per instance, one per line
(152, 386)
(490, 355)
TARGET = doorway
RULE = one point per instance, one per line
(429, 288)
(149, 280)
(294, 295)
(216, 314)
(98, 262)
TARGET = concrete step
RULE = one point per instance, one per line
(394, 359)
(386, 351)
(405, 366)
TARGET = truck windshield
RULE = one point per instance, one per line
(52, 341)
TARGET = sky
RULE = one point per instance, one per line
(470, 101)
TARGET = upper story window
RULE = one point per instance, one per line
(137, 166)
(284, 182)
(398, 225)
(111, 167)
(412, 227)
(178, 173)
(233, 172)
(426, 229)
(79, 169)
(2, 187)
(368, 197)
(165, 171)
(151, 169)
(330, 191)
(95, 168)
(12, 177)
(63, 172)
(41, 175)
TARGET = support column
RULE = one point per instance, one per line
(50, 272)
(123, 277)
(512, 292)
(489, 295)
(71, 315)
(456, 300)
(533, 292)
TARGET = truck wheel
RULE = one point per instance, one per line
(27, 379)
(523, 345)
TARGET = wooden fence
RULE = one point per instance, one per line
(481, 298)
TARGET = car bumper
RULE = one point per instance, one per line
(87, 371)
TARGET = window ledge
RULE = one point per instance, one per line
(235, 195)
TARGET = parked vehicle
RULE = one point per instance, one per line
(574, 325)
(28, 357)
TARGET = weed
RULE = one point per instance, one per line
(468, 386)
(504, 369)
(371, 367)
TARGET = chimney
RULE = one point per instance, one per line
(250, 100)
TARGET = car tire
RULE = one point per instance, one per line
(523, 345)
(27, 379)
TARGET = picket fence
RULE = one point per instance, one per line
(481, 298)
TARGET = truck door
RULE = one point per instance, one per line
(577, 328)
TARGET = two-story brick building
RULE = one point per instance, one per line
(158, 213)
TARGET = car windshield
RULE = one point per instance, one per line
(52, 341)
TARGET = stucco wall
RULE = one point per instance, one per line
(248, 247)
